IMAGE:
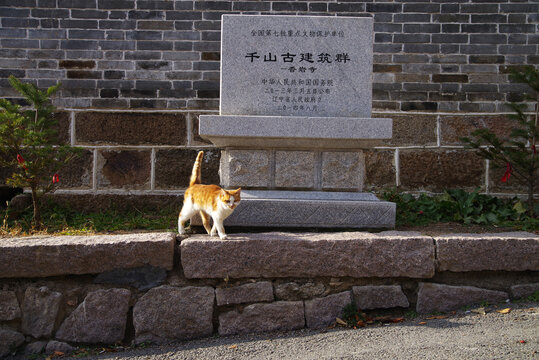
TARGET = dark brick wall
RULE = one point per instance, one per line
(429, 55)
(440, 70)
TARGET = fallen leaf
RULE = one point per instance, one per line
(361, 323)
(522, 341)
(71, 302)
(58, 353)
(397, 320)
(422, 323)
(504, 311)
(341, 321)
(437, 317)
(233, 347)
(480, 311)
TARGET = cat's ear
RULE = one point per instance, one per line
(237, 191)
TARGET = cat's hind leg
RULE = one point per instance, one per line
(206, 222)
(186, 213)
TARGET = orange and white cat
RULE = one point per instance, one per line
(208, 200)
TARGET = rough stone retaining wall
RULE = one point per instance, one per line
(160, 287)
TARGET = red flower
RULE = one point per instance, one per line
(20, 160)
(55, 178)
(507, 173)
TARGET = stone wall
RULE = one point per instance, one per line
(161, 287)
(152, 153)
(440, 71)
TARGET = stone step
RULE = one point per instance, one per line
(313, 209)
(42, 256)
(510, 251)
(309, 255)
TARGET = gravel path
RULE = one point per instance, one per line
(461, 336)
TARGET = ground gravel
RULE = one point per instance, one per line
(464, 335)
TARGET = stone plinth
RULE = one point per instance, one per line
(294, 132)
(311, 209)
(308, 255)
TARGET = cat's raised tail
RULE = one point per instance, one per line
(195, 175)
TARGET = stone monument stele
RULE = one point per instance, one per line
(295, 114)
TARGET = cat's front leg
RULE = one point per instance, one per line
(220, 229)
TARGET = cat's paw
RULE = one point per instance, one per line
(223, 237)
(181, 231)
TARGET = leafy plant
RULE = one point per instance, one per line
(460, 206)
(29, 144)
(412, 314)
(518, 153)
(533, 297)
(353, 316)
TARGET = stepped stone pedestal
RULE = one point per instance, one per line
(312, 209)
(295, 114)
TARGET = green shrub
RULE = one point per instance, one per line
(518, 153)
(29, 144)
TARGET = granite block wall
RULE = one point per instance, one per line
(126, 297)
(137, 74)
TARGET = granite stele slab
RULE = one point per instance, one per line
(295, 81)
(325, 61)
(315, 209)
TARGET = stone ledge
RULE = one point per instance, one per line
(294, 131)
(513, 251)
(267, 255)
(42, 256)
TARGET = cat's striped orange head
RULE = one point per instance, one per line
(230, 198)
